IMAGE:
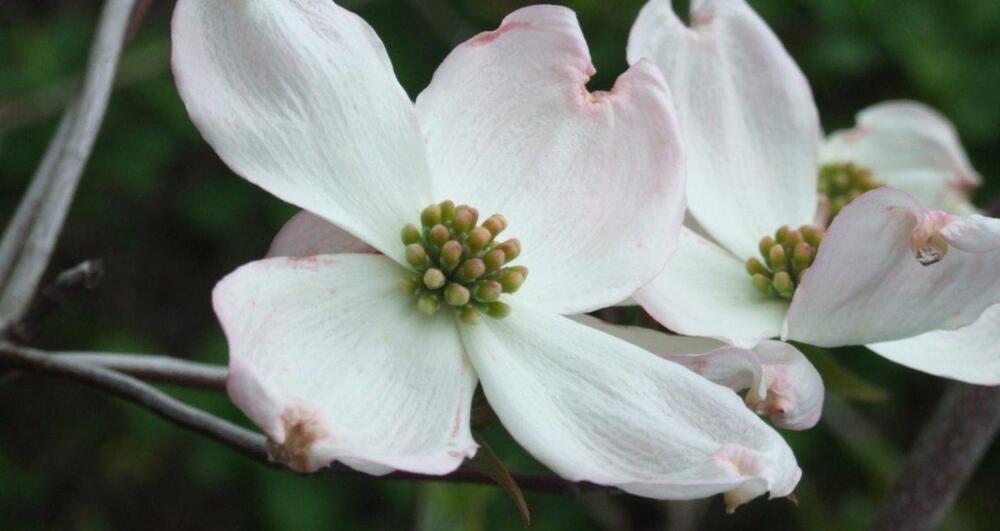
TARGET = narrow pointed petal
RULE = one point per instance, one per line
(592, 183)
(705, 291)
(595, 408)
(866, 285)
(334, 364)
(969, 354)
(299, 98)
(912, 147)
(307, 234)
(746, 113)
(781, 382)
(973, 233)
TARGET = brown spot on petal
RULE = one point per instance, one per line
(303, 429)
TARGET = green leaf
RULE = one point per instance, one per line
(487, 462)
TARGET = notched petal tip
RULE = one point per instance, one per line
(739, 461)
(302, 429)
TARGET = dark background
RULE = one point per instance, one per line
(169, 220)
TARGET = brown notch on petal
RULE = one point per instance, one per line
(303, 428)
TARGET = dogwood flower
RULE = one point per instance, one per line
(341, 353)
(885, 269)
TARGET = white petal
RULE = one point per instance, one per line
(912, 147)
(334, 364)
(299, 98)
(591, 183)
(307, 234)
(866, 286)
(706, 291)
(747, 115)
(970, 354)
(595, 408)
(973, 233)
(652, 340)
(795, 389)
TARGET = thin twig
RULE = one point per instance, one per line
(31, 235)
(946, 453)
(159, 369)
(84, 276)
(246, 442)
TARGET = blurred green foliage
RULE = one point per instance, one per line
(169, 220)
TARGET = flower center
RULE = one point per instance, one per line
(843, 182)
(787, 255)
(459, 264)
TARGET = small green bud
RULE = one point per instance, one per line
(431, 216)
(776, 258)
(475, 216)
(802, 256)
(782, 283)
(410, 234)
(782, 234)
(472, 269)
(478, 238)
(456, 294)
(416, 255)
(438, 235)
(794, 238)
(495, 224)
(765, 245)
(447, 210)
(488, 291)
(434, 278)
(841, 181)
(754, 267)
(511, 248)
(469, 315)
(498, 310)
(812, 235)
(408, 285)
(798, 278)
(511, 280)
(520, 269)
(494, 260)
(428, 304)
(451, 255)
(464, 220)
(762, 283)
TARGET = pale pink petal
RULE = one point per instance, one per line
(795, 389)
(912, 147)
(595, 408)
(973, 233)
(299, 98)
(866, 285)
(747, 115)
(591, 183)
(706, 291)
(334, 364)
(307, 234)
(970, 354)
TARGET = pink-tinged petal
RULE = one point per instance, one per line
(706, 291)
(795, 389)
(781, 382)
(334, 364)
(973, 233)
(591, 183)
(912, 147)
(307, 234)
(969, 354)
(747, 115)
(867, 286)
(299, 98)
(595, 408)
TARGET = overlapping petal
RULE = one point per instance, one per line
(912, 147)
(970, 354)
(865, 285)
(596, 408)
(307, 234)
(335, 365)
(591, 183)
(299, 97)
(747, 115)
(706, 291)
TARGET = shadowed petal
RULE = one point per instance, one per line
(307, 234)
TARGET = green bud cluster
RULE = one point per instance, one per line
(843, 182)
(459, 264)
(787, 255)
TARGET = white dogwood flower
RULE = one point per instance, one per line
(371, 358)
(888, 268)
